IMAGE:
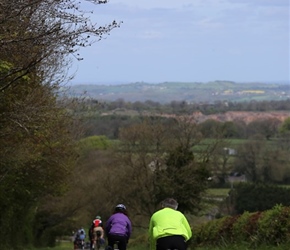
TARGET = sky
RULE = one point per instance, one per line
(188, 41)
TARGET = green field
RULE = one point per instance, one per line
(218, 192)
(183, 91)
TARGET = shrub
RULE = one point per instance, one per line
(274, 225)
(253, 197)
(240, 232)
(270, 227)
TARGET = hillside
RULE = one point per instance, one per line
(192, 92)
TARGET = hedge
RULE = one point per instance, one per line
(271, 227)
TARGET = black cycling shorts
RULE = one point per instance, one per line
(122, 241)
(171, 242)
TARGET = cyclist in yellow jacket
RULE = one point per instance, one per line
(168, 228)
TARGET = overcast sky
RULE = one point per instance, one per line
(189, 41)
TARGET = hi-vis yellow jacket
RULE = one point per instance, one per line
(167, 222)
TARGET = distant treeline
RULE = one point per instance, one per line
(184, 91)
(183, 107)
(106, 118)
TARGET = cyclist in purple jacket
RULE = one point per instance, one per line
(118, 228)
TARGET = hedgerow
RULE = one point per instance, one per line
(271, 227)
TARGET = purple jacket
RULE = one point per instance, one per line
(119, 224)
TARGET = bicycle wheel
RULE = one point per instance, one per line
(116, 247)
(93, 245)
(98, 244)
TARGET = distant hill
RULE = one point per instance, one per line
(184, 91)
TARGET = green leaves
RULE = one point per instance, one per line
(285, 127)
(270, 228)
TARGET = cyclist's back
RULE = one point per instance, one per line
(168, 228)
(96, 232)
(119, 228)
(79, 238)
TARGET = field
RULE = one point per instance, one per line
(218, 192)
(190, 91)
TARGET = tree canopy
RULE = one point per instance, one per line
(37, 134)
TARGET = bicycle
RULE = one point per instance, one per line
(79, 244)
(96, 244)
(115, 246)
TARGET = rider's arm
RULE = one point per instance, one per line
(152, 242)
(108, 225)
(187, 227)
(129, 228)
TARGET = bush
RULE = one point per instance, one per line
(274, 225)
(271, 227)
(253, 197)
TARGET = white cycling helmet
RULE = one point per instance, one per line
(120, 207)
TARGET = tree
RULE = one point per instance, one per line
(37, 36)
(263, 161)
(220, 164)
(37, 134)
(265, 127)
(90, 192)
(156, 160)
(37, 142)
(249, 159)
(183, 178)
(210, 128)
(141, 153)
(284, 129)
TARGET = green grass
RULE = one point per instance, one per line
(60, 246)
(218, 192)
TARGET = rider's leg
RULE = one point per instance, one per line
(111, 241)
(122, 244)
(122, 241)
(171, 242)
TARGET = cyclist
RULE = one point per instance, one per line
(168, 228)
(96, 230)
(118, 228)
(79, 238)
